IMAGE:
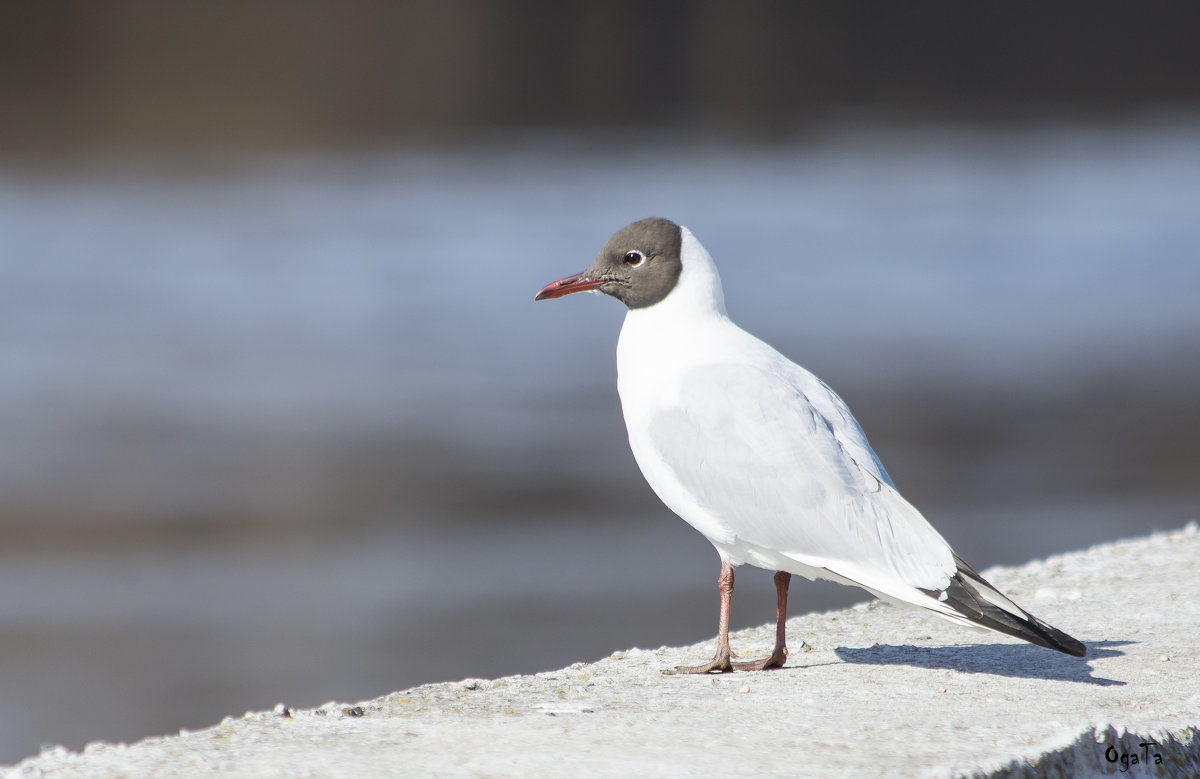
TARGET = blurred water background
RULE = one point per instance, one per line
(279, 420)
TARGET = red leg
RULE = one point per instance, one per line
(779, 654)
(720, 661)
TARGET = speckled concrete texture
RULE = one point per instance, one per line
(870, 691)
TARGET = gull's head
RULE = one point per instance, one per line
(639, 265)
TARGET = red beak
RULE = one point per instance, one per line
(556, 289)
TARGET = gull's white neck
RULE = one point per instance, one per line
(697, 294)
(687, 327)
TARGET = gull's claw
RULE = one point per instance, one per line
(775, 660)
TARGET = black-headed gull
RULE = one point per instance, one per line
(761, 456)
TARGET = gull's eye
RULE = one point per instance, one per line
(635, 259)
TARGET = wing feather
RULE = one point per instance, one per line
(775, 456)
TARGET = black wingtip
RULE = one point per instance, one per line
(1054, 638)
(963, 596)
(1072, 647)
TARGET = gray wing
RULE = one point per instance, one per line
(776, 457)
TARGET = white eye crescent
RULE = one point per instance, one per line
(635, 259)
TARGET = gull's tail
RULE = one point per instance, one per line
(979, 603)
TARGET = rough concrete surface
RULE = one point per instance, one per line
(874, 690)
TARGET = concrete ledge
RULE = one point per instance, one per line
(875, 690)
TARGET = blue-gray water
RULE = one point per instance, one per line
(291, 427)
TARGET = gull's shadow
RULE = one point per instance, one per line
(1022, 660)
